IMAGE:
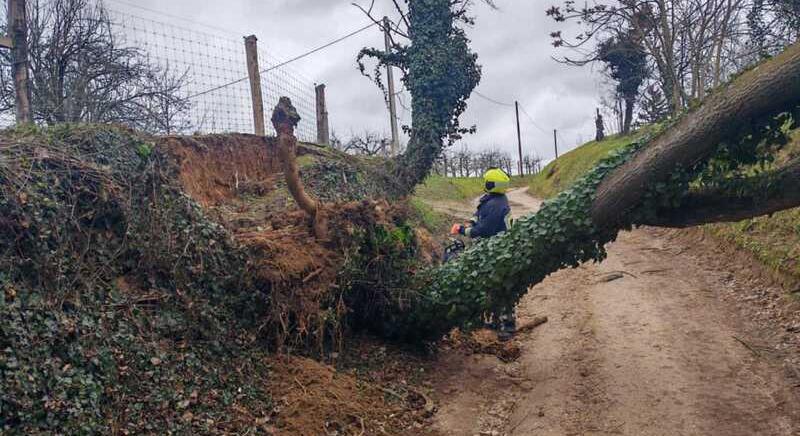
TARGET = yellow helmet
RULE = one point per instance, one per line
(496, 181)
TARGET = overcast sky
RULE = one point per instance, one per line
(513, 45)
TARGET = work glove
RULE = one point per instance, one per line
(457, 229)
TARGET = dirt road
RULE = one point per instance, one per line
(643, 344)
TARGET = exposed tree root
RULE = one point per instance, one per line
(285, 118)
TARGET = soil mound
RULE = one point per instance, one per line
(313, 398)
(140, 278)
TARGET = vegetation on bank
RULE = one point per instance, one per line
(560, 174)
(774, 240)
(145, 282)
(439, 188)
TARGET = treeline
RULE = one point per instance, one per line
(463, 162)
(471, 163)
(661, 57)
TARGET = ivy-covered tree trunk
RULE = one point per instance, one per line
(440, 73)
(648, 183)
(767, 89)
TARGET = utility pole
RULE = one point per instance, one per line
(555, 141)
(519, 140)
(251, 50)
(17, 41)
(390, 79)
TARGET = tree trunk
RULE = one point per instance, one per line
(442, 73)
(19, 58)
(776, 191)
(756, 93)
(629, 104)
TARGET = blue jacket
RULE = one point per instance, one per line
(490, 218)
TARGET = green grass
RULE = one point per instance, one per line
(438, 188)
(563, 172)
(773, 240)
(455, 189)
(427, 217)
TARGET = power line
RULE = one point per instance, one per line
(283, 64)
(177, 17)
(497, 102)
(492, 100)
(530, 118)
(562, 138)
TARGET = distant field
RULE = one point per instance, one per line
(438, 188)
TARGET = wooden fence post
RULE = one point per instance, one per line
(323, 130)
(18, 32)
(251, 50)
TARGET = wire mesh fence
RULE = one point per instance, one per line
(205, 69)
(213, 70)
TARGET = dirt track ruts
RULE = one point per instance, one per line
(641, 344)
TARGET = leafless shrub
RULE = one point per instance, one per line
(82, 71)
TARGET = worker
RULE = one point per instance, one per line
(491, 218)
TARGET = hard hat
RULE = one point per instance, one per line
(496, 181)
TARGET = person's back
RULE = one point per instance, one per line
(491, 218)
(493, 211)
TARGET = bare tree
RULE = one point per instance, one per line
(612, 108)
(464, 158)
(774, 24)
(691, 45)
(368, 143)
(653, 107)
(532, 164)
(81, 71)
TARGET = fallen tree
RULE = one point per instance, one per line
(439, 70)
(656, 181)
(693, 171)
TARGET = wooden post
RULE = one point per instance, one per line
(555, 141)
(323, 130)
(519, 141)
(18, 33)
(251, 50)
(390, 79)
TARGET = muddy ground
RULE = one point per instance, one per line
(667, 337)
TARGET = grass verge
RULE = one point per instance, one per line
(563, 172)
